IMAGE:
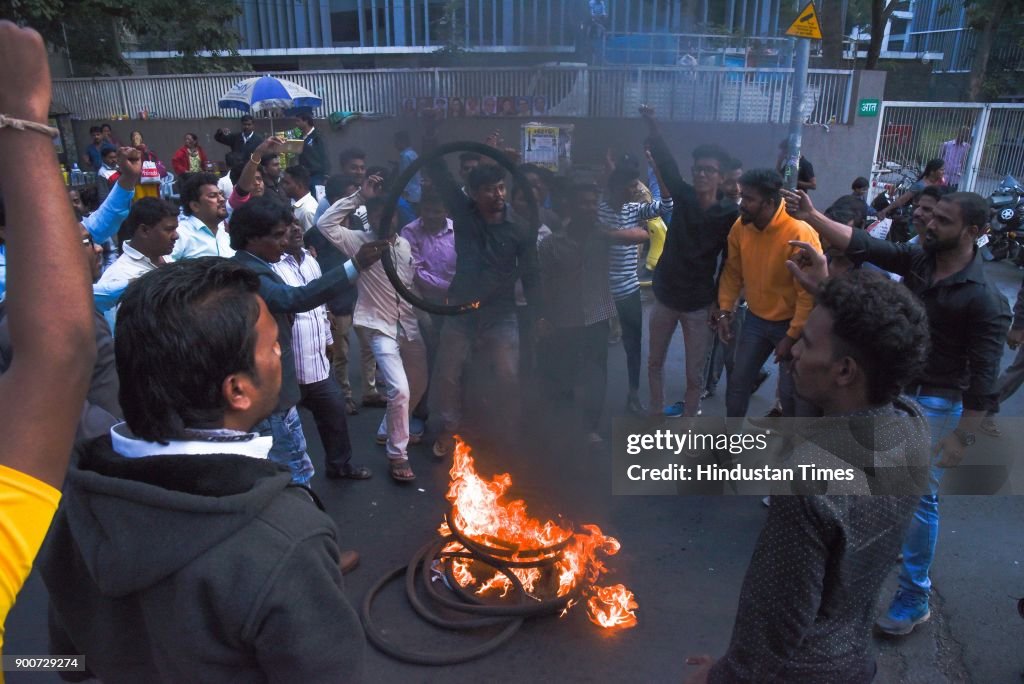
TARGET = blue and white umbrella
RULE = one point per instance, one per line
(268, 93)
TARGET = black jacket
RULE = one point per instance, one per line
(967, 317)
(283, 300)
(314, 155)
(237, 144)
(196, 569)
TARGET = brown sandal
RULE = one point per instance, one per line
(400, 470)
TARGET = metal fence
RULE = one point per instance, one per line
(701, 49)
(679, 93)
(912, 133)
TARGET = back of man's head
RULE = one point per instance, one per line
(181, 330)
(257, 218)
(881, 325)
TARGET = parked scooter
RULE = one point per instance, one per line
(1007, 215)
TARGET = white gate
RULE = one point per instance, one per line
(912, 133)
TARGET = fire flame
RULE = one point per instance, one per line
(480, 513)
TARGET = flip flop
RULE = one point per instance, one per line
(400, 470)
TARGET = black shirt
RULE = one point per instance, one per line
(967, 318)
(684, 278)
(487, 253)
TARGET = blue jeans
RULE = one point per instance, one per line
(289, 448)
(919, 543)
(756, 342)
(498, 334)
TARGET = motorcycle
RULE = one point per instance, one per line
(1007, 215)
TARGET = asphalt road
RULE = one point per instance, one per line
(684, 557)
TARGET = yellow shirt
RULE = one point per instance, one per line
(756, 264)
(26, 509)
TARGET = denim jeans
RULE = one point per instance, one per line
(756, 342)
(696, 340)
(326, 401)
(631, 318)
(919, 543)
(497, 334)
(289, 447)
(403, 364)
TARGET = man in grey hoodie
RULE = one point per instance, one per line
(180, 553)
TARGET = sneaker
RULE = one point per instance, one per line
(906, 612)
(675, 410)
(776, 412)
(767, 501)
(707, 393)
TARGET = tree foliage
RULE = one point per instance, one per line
(96, 32)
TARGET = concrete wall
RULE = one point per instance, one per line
(839, 155)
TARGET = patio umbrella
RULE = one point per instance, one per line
(270, 94)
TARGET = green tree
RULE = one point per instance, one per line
(997, 23)
(94, 33)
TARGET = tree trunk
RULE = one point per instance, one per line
(831, 18)
(979, 66)
(877, 33)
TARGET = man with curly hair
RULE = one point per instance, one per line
(807, 599)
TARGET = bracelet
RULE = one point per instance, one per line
(255, 161)
(724, 314)
(23, 125)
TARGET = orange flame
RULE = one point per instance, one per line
(612, 607)
(479, 512)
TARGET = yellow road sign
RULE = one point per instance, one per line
(806, 24)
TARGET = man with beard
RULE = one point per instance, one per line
(777, 307)
(968, 320)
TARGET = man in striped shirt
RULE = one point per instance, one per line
(311, 344)
(619, 213)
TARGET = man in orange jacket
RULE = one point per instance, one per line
(777, 306)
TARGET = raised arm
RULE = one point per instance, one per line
(104, 223)
(247, 178)
(670, 180)
(50, 350)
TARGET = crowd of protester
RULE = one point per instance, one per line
(211, 323)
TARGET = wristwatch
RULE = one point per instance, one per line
(966, 438)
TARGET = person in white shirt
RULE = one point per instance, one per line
(295, 184)
(151, 231)
(389, 320)
(201, 230)
(311, 339)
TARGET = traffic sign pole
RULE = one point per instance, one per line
(796, 116)
(803, 29)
